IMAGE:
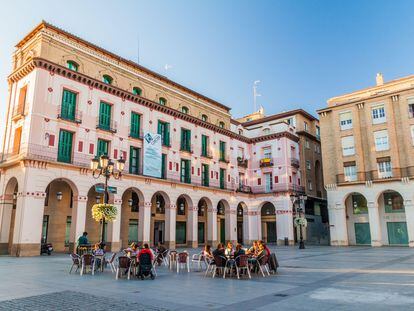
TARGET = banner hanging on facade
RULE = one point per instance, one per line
(152, 155)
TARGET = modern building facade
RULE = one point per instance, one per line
(71, 101)
(309, 165)
(367, 143)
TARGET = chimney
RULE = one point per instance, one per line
(379, 78)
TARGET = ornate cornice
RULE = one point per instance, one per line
(54, 68)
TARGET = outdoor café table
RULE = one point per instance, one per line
(101, 258)
(230, 263)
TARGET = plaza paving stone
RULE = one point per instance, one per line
(317, 278)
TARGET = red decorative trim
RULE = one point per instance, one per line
(89, 102)
(47, 119)
(50, 89)
(122, 113)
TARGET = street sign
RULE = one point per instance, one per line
(112, 190)
(101, 189)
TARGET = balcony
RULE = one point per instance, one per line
(108, 127)
(241, 162)
(186, 148)
(134, 134)
(266, 162)
(244, 189)
(75, 117)
(279, 187)
(295, 162)
(224, 158)
(375, 175)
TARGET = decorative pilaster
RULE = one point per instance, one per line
(212, 227)
(374, 224)
(144, 226)
(170, 225)
(79, 221)
(337, 222)
(409, 216)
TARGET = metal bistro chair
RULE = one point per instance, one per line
(183, 261)
(111, 262)
(164, 257)
(76, 261)
(220, 265)
(124, 265)
(87, 261)
(262, 264)
(199, 259)
(242, 263)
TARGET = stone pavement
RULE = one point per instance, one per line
(317, 278)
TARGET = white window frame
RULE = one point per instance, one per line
(308, 164)
(412, 134)
(384, 169)
(345, 124)
(348, 150)
(267, 152)
(310, 185)
(350, 173)
(306, 126)
(307, 144)
(378, 114)
(381, 140)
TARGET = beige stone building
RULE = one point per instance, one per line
(367, 143)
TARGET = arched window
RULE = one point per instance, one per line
(221, 124)
(162, 101)
(240, 132)
(266, 131)
(72, 65)
(204, 118)
(136, 91)
(107, 79)
(184, 109)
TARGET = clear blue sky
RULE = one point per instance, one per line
(303, 51)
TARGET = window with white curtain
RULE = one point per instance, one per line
(348, 145)
(381, 140)
(384, 169)
(350, 173)
(345, 120)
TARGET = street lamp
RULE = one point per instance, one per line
(299, 210)
(104, 166)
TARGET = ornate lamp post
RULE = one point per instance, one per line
(300, 221)
(104, 166)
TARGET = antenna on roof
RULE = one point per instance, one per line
(255, 94)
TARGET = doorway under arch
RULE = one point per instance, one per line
(8, 216)
(268, 221)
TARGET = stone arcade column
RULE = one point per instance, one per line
(78, 222)
(170, 225)
(114, 228)
(212, 227)
(337, 222)
(409, 216)
(144, 223)
(252, 224)
(231, 224)
(28, 224)
(192, 227)
(374, 224)
(284, 221)
(6, 211)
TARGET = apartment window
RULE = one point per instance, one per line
(184, 109)
(305, 126)
(378, 115)
(221, 124)
(307, 144)
(310, 187)
(318, 132)
(291, 121)
(72, 65)
(136, 91)
(240, 132)
(135, 126)
(348, 145)
(164, 131)
(384, 168)
(412, 134)
(222, 178)
(350, 172)
(268, 182)
(266, 131)
(162, 101)
(381, 140)
(345, 120)
(105, 116)
(107, 79)
(308, 164)
(103, 148)
(19, 110)
(185, 140)
(17, 139)
(204, 118)
(68, 107)
(267, 152)
(65, 146)
(205, 178)
(222, 149)
(411, 108)
(204, 145)
(185, 175)
(240, 153)
(134, 160)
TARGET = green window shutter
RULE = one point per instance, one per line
(105, 116)
(65, 146)
(182, 139)
(102, 148)
(222, 150)
(163, 166)
(134, 160)
(167, 134)
(222, 177)
(159, 128)
(204, 145)
(135, 125)
(68, 105)
(187, 172)
(205, 175)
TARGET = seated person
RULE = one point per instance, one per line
(146, 250)
(207, 252)
(252, 250)
(229, 249)
(239, 251)
(266, 249)
(219, 251)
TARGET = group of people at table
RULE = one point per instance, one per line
(228, 252)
